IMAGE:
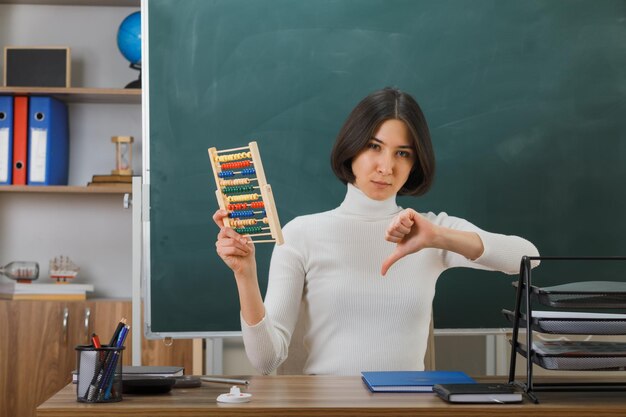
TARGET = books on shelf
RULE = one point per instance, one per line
(478, 393)
(127, 179)
(411, 381)
(110, 180)
(43, 291)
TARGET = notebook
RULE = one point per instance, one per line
(412, 381)
(478, 393)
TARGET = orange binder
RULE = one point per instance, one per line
(20, 139)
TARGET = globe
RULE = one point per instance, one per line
(129, 38)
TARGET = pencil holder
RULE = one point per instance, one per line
(99, 374)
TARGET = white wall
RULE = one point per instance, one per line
(93, 230)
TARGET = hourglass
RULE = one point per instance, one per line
(123, 155)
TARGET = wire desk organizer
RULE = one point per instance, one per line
(567, 355)
(243, 191)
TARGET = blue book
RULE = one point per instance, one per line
(412, 381)
(6, 140)
(48, 141)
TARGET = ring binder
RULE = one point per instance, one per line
(6, 140)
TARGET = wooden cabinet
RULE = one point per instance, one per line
(37, 340)
(36, 352)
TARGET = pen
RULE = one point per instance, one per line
(95, 341)
(116, 354)
(117, 331)
(224, 380)
(122, 336)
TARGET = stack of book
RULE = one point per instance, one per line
(110, 180)
(32, 291)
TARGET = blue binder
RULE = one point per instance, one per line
(48, 141)
(6, 140)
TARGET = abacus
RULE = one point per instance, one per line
(243, 191)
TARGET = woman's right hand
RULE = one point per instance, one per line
(236, 251)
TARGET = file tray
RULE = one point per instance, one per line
(578, 355)
(584, 294)
(568, 322)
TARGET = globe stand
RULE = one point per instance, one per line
(137, 82)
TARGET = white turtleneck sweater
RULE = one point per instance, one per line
(354, 319)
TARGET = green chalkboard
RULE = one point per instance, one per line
(526, 102)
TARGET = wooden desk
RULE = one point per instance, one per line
(325, 396)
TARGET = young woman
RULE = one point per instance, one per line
(363, 274)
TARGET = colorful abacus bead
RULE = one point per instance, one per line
(225, 174)
(241, 214)
(242, 197)
(236, 164)
(242, 223)
(233, 156)
(236, 181)
(243, 206)
(248, 230)
(237, 189)
(248, 171)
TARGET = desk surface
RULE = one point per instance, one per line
(326, 396)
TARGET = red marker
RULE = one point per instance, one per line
(95, 340)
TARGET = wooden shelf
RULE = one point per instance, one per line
(67, 189)
(112, 3)
(81, 94)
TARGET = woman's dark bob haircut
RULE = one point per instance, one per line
(364, 121)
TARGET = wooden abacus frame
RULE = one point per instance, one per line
(265, 189)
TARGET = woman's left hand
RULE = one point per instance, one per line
(411, 232)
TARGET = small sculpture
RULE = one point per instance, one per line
(21, 271)
(63, 269)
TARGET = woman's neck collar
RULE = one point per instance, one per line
(359, 204)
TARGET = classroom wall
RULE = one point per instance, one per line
(93, 230)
